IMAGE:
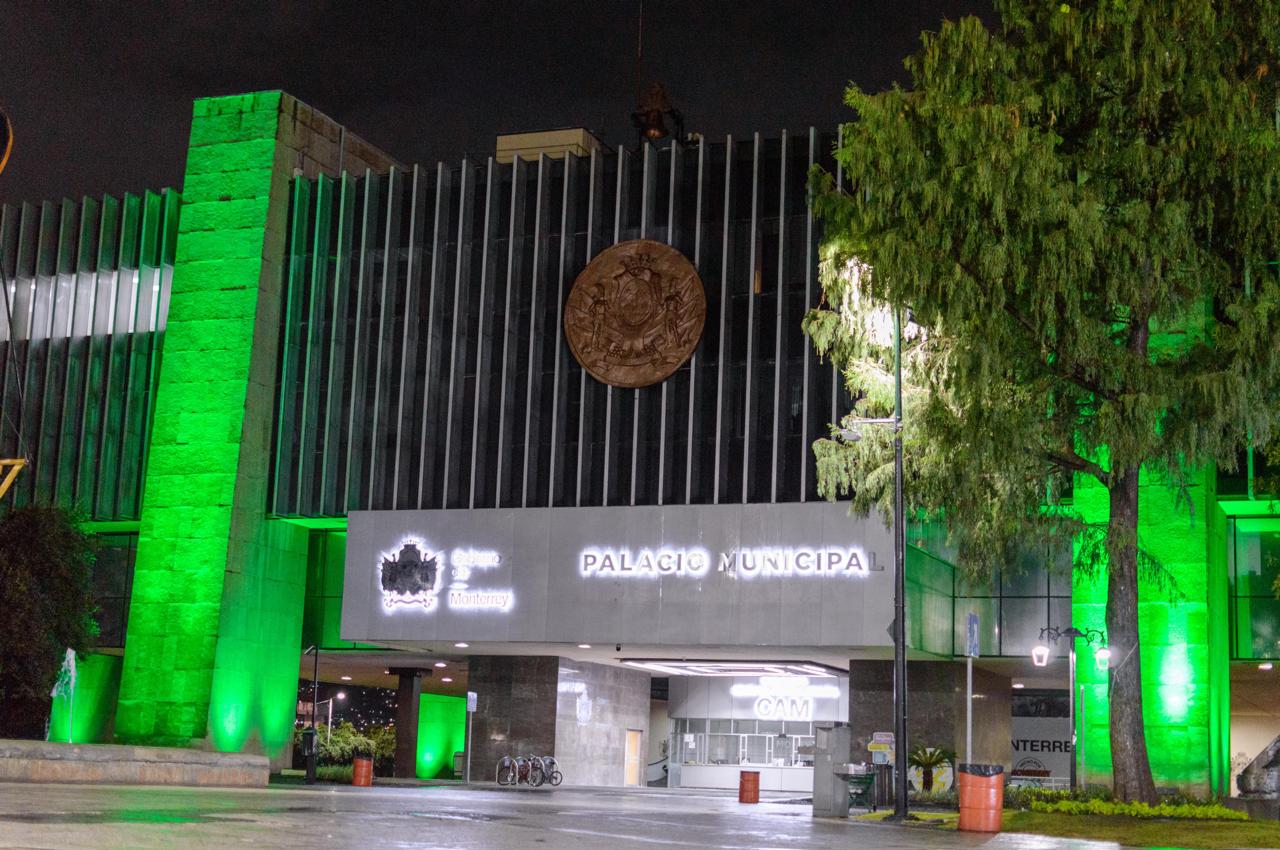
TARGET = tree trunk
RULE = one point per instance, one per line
(1131, 769)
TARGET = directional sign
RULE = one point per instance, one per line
(471, 702)
(883, 738)
(971, 649)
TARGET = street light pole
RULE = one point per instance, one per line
(899, 589)
(1071, 706)
(309, 734)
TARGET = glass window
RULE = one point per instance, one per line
(720, 726)
(746, 727)
(798, 727)
(804, 750)
(771, 727)
(757, 749)
(1021, 622)
(697, 724)
(722, 749)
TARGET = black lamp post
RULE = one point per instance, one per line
(1040, 656)
(309, 743)
(899, 627)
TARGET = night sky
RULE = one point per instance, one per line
(100, 93)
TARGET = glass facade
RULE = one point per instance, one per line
(1253, 564)
(1019, 599)
(112, 586)
(762, 743)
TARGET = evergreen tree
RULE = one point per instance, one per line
(1080, 210)
(46, 596)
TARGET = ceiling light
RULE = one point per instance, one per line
(446, 679)
(667, 667)
(345, 678)
(342, 694)
(1266, 665)
(462, 644)
(441, 664)
(1017, 686)
(584, 646)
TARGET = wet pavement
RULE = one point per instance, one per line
(69, 817)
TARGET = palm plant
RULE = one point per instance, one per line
(929, 759)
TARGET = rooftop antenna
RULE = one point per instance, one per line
(653, 105)
(640, 53)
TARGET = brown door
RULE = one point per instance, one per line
(633, 757)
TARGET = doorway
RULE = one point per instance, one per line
(634, 740)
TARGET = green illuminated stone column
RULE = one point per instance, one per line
(1184, 682)
(215, 617)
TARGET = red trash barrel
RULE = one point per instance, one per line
(362, 771)
(981, 797)
(749, 786)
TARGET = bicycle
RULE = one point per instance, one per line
(507, 772)
(552, 770)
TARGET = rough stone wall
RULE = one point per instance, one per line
(215, 617)
(1178, 657)
(515, 709)
(596, 705)
(935, 709)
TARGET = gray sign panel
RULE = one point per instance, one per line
(804, 575)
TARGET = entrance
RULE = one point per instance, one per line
(632, 776)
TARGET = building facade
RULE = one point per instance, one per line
(319, 398)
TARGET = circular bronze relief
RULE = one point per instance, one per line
(635, 314)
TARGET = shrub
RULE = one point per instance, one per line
(1108, 808)
(338, 773)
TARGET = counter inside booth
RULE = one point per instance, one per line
(723, 725)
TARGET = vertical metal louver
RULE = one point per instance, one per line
(87, 294)
(423, 359)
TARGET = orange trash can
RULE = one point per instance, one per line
(981, 797)
(362, 771)
(749, 786)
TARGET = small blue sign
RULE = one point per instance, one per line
(972, 632)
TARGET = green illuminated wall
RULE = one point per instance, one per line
(215, 618)
(442, 731)
(1185, 692)
(86, 717)
(198, 503)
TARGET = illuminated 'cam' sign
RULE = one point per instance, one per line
(784, 697)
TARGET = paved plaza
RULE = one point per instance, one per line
(70, 817)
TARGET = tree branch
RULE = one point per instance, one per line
(1072, 461)
(1071, 371)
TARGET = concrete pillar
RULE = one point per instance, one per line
(408, 703)
(215, 617)
(935, 708)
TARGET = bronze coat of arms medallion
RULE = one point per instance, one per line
(635, 313)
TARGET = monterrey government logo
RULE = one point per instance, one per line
(413, 577)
